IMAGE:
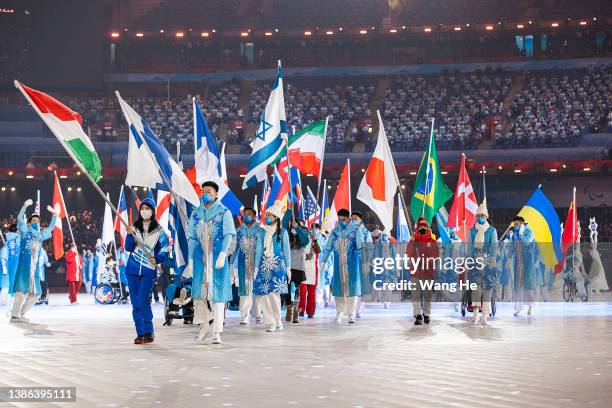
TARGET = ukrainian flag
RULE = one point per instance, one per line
(543, 220)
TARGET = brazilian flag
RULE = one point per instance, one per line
(430, 193)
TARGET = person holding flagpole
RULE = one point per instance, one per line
(345, 243)
(74, 272)
(247, 239)
(141, 269)
(26, 285)
(211, 234)
(482, 243)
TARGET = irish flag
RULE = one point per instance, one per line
(380, 182)
(66, 125)
(307, 147)
(342, 199)
(58, 231)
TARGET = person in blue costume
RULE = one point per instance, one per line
(366, 256)
(325, 270)
(383, 249)
(211, 235)
(13, 245)
(26, 285)
(247, 239)
(273, 260)
(141, 268)
(345, 243)
(4, 279)
(482, 243)
(523, 255)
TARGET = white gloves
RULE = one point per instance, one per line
(188, 272)
(288, 270)
(28, 203)
(221, 260)
(52, 210)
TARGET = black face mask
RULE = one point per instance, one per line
(422, 230)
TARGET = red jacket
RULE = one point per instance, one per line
(425, 245)
(74, 267)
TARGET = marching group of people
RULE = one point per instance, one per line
(274, 260)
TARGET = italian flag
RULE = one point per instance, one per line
(66, 125)
(307, 147)
(58, 231)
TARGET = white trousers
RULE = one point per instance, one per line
(202, 314)
(271, 305)
(249, 304)
(22, 303)
(346, 305)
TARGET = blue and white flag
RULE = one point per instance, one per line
(146, 154)
(210, 163)
(270, 136)
(178, 232)
(402, 232)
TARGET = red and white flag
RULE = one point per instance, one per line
(58, 231)
(162, 213)
(380, 182)
(463, 210)
(570, 234)
(342, 199)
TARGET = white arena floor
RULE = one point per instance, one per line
(560, 357)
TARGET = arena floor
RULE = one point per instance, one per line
(559, 357)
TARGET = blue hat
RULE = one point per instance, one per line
(149, 203)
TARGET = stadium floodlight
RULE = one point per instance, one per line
(583, 23)
(587, 169)
(520, 26)
(139, 34)
(413, 173)
(268, 33)
(10, 173)
(554, 25)
(63, 176)
(457, 28)
(393, 31)
(69, 189)
(307, 32)
(29, 176)
(553, 170)
(205, 34)
(12, 188)
(363, 32)
(179, 34)
(427, 29)
(244, 34)
(329, 32)
(3, 188)
(489, 28)
(79, 189)
(518, 170)
(115, 34)
(161, 31)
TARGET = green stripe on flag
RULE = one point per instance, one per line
(88, 158)
(315, 129)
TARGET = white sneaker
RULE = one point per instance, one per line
(271, 328)
(338, 318)
(517, 312)
(216, 338)
(483, 320)
(25, 320)
(244, 320)
(14, 319)
(258, 320)
(205, 331)
(351, 319)
(279, 326)
(529, 311)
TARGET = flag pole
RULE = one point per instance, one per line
(322, 157)
(64, 205)
(427, 167)
(348, 173)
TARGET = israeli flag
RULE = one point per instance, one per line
(270, 136)
(146, 155)
(210, 163)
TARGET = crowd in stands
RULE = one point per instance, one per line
(460, 105)
(555, 109)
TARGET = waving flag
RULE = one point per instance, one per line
(402, 231)
(227, 196)
(163, 209)
(58, 231)
(324, 206)
(380, 183)
(463, 210)
(311, 208)
(178, 232)
(108, 232)
(342, 199)
(541, 216)
(146, 154)
(571, 232)
(430, 193)
(279, 190)
(270, 136)
(122, 209)
(66, 125)
(442, 221)
(307, 147)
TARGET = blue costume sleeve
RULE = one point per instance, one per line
(192, 235)
(258, 249)
(527, 235)
(48, 232)
(359, 239)
(3, 260)
(302, 234)
(286, 250)
(328, 248)
(229, 230)
(22, 226)
(162, 249)
(130, 243)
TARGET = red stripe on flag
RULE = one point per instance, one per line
(48, 104)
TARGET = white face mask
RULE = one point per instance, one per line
(146, 214)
